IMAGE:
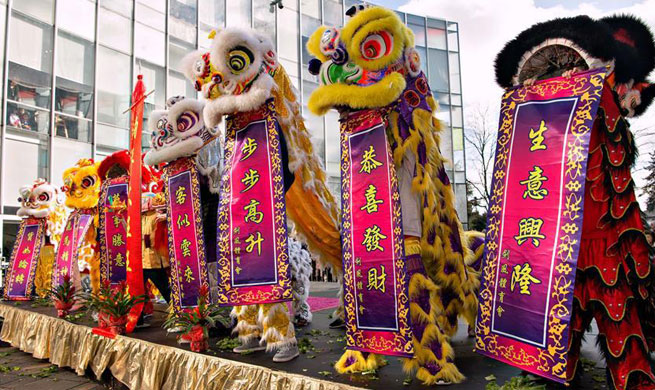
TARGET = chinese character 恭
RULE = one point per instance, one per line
(368, 161)
(250, 179)
(248, 148)
(537, 137)
(117, 239)
(252, 241)
(183, 220)
(534, 183)
(371, 205)
(372, 237)
(180, 195)
(522, 274)
(22, 264)
(118, 260)
(375, 281)
(185, 246)
(188, 274)
(530, 228)
(253, 215)
(30, 236)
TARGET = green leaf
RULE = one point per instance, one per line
(324, 373)
(490, 378)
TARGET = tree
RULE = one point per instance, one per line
(648, 190)
(476, 220)
(480, 137)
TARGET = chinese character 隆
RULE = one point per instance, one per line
(522, 274)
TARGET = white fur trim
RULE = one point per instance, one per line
(27, 212)
(259, 92)
(187, 64)
(228, 39)
(187, 147)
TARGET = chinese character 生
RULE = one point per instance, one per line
(530, 228)
(522, 274)
(537, 137)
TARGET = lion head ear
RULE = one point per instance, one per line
(314, 44)
(647, 95)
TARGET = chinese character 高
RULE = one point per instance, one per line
(252, 213)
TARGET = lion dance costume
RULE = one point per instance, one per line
(614, 280)
(370, 67)
(240, 76)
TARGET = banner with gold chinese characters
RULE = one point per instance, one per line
(71, 241)
(24, 259)
(253, 258)
(113, 230)
(535, 221)
(186, 241)
(375, 279)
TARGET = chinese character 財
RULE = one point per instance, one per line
(117, 239)
(371, 205)
(372, 237)
(252, 240)
(253, 215)
(375, 281)
(20, 278)
(180, 195)
(530, 228)
(369, 162)
(22, 264)
(188, 274)
(537, 137)
(185, 246)
(534, 183)
(183, 220)
(250, 179)
(248, 148)
(522, 274)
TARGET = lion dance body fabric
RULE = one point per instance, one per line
(614, 281)
(370, 68)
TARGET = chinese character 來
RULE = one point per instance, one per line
(534, 183)
(180, 195)
(372, 238)
(252, 213)
(252, 240)
(537, 137)
(375, 281)
(530, 228)
(249, 147)
(188, 274)
(250, 179)
(371, 205)
(522, 274)
(369, 162)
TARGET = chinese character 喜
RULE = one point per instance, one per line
(375, 281)
(248, 148)
(180, 195)
(252, 241)
(522, 274)
(371, 205)
(368, 161)
(534, 183)
(537, 137)
(250, 179)
(372, 237)
(253, 215)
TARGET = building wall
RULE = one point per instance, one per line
(69, 66)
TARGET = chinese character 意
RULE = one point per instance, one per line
(375, 281)
(534, 183)
(371, 205)
(537, 137)
(183, 220)
(252, 240)
(522, 274)
(119, 260)
(30, 236)
(248, 148)
(372, 237)
(22, 264)
(250, 179)
(188, 274)
(185, 246)
(530, 228)
(117, 239)
(180, 195)
(369, 162)
(252, 213)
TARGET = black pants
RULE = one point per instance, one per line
(159, 278)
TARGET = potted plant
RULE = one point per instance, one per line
(63, 296)
(113, 304)
(197, 321)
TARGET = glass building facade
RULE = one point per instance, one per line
(68, 68)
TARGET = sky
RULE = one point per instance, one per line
(486, 25)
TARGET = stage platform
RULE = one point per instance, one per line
(151, 359)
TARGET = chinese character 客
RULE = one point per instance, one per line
(253, 215)
(250, 179)
(371, 205)
(375, 281)
(530, 228)
(180, 195)
(22, 264)
(368, 161)
(248, 148)
(252, 240)
(117, 239)
(522, 274)
(183, 220)
(534, 183)
(537, 137)
(185, 246)
(188, 274)
(372, 237)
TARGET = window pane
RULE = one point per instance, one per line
(238, 13)
(418, 28)
(437, 38)
(311, 16)
(115, 30)
(453, 61)
(457, 99)
(150, 44)
(151, 17)
(27, 117)
(263, 19)
(211, 14)
(73, 127)
(443, 113)
(332, 143)
(178, 85)
(458, 120)
(458, 138)
(65, 154)
(453, 45)
(176, 51)
(333, 12)
(288, 27)
(77, 16)
(436, 23)
(33, 157)
(157, 5)
(123, 7)
(154, 78)
(40, 9)
(438, 70)
(182, 23)
(112, 136)
(113, 87)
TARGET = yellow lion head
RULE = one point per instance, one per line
(82, 185)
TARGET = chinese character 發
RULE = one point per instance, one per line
(368, 161)
(371, 205)
(180, 195)
(252, 241)
(30, 236)
(372, 237)
(248, 148)
(183, 220)
(185, 246)
(534, 183)
(22, 264)
(537, 137)
(530, 228)
(375, 281)
(26, 251)
(250, 179)
(253, 215)
(118, 260)
(117, 239)
(188, 274)
(522, 274)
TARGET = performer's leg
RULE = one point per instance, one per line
(248, 328)
(580, 321)
(433, 354)
(278, 331)
(301, 268)
(159, 278)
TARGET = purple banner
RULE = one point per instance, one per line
(24, 259)
(113, 230)
(186, 243)
(534, 223)
(375, 278)
(72, 239)
(252, 229)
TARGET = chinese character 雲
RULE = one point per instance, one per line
(534, 183)
(183, 220)
(252, 240)
(180, 195)
(248, 148)
(250, 179)
(537, 137)
(117, 239)
(252, 213)
(368, 161)
(530, 228)
(185, 246)
(522, 274)
(371, 205)
(375, 281)
(372, 237)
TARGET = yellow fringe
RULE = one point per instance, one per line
(43, 277)
(361, 364)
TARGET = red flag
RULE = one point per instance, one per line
(134, 255)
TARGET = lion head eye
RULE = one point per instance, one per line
(239, 59)
(376, 45)
(44, 197)
(88, 181)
